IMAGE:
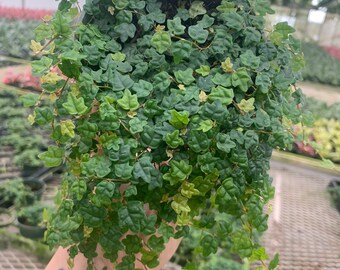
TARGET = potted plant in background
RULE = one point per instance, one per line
(30, 220)
(334, 192)
(15, 193)
(165, 114)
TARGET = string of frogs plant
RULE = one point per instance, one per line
(172, 104)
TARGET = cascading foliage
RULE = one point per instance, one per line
(172, 104)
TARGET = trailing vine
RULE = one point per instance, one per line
(165, 112)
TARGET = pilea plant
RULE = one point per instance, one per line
(166, 112)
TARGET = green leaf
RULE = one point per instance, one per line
(180, 169)
(263, 82)
(250, 60)
(143, 169)
(43, 116)
(181, 50)
(142, 88)
(198, 33)
(262, 119)
(259, 254)
(122, 4)
(250, 139)
(128, 102)
(128, 262)
(150, 138)
(119, 82)
(79, 188)
(175, 26)
(161, 81)
(61, 24)
(156, 243)
(166, 231)
(233, 20)
(123, 171)
(198, 141)
(185, 76)
(103, 193)
(150, 258)
(137, 125)
(103, 166)
(179, 119)
(72, 55)
(241, 79)
(209, 245)
(222, 94)
(206, 21)
(247, 105)
(70, 69)
(226, 192)
(29, 100)
(284, 29)
(226, 7)
(242, 245)
(222, 79)
(53, 157)
(197, 8)
(262, 7)
(173, 139)
(206, 125)
(125, 31)
(224, 143)
(161, 41)
(130, 191)
(39, 67)
(131, 215)
(132, 244)
(274, 262)
(202, 185)
(75, 105)
(203, 70)
(149, 224)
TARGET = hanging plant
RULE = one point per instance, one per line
(167, 113)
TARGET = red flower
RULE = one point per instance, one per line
(23, 14)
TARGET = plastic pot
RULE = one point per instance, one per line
(36, 185)
(6, 217)
(334, 191)
(28, 231)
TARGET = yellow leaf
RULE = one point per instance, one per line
(47, 18)
(31, 119)
(111, 10)
(67, 128)
(181, 87)
(131, 114)
(227, 66)
(50, 78)
(203, 97)
(53, 97)
(36, 47)
(159, 28)
(87, 231)
(247, 105)
(75, 89)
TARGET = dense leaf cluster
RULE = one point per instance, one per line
(169, 106)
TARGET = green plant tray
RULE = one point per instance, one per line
(312, 163)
